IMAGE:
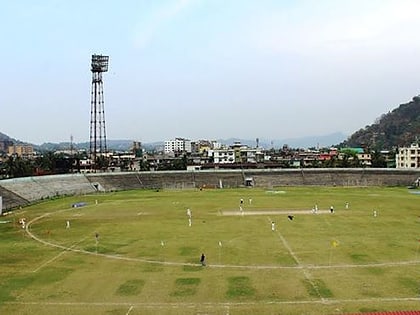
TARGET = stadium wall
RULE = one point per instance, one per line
(256, 178)
(23, 191)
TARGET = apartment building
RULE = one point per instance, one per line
(20, 150)
(408, 157)
(177, 145)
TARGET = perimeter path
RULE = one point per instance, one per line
(171, 263)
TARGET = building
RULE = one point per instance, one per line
(223, 156)
(408, 157)
(365, 159)
(237, 153)
(137, 149)
(179, 145)
(21, 150)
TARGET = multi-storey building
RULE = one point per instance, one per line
(238, 153)
(223, 156)
(365, 159)
(408, 157)
(179, 145)
(21, 150)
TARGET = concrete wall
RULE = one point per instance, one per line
(334, 177)
(260, 178)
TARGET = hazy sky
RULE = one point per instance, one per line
(206, 69)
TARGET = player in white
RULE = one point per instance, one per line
(273, 226)
(67, 224)
(23, 222)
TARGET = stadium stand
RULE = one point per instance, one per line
(12, 200)
(43, 187)
(21, 191)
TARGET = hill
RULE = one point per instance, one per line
(400, 127)
(4, 137)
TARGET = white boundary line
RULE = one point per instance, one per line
(169, 263)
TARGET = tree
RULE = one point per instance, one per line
(377, 159)
(15, 166)
(46, 163)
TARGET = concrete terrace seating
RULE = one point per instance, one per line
(220, 179)
(115, 181)
(11, 200)
(333, 177)
(21, 191)
(167, 179)
(42, 187)
(68, 184)
(142, 180)
(26, 188)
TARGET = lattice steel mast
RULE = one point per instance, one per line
(97, 111)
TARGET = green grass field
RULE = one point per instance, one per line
(146, 258)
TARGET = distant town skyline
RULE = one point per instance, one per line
(200, 69)
(302, 142)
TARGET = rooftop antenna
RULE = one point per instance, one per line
(97, 110)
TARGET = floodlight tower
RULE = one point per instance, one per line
(97, 110)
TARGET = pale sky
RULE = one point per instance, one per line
(206, 69)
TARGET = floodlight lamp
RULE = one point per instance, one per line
(99, 63)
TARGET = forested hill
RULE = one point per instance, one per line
(4, 137)
(400, 127)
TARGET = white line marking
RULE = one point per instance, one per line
(168, 263)
(305, 268)
(306, 272)
(59, 254)
(215, 304)
(129, 310)
(49, 261)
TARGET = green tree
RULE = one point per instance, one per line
(46, 163)
(377, 159)
(15, 166)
